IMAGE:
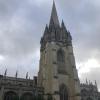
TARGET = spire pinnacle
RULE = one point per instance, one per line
(62, 24)
(5, 72)
(95, 83)
(27, 75)
(86, 81)
(16, 74)
(46, 29)
(54, 17)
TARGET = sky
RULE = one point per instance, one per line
(22, 23)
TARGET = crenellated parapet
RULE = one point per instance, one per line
(19, 88)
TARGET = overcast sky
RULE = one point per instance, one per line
(22, 24)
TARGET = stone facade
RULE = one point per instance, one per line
(27, 89)
(89, 91)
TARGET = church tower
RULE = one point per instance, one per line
(57, 73)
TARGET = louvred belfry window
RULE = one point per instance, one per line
(60, 56)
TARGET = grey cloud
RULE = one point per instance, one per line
(20, 36)
(8, 8)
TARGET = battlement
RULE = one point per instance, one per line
(6, 80)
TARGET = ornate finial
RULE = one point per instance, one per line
(16, 75)
(63, 25)
(89, 82)
(86, 81)
(46, 29)
(27, 75)
(95, 83)
(5, 74)
(62, 22)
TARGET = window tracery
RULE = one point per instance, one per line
(61, 56)
(63, 92)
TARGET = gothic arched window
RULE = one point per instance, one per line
(61, 62)
(10, 96)
(61, 56)
(63, 92)
(89, 98)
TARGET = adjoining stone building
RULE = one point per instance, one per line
(13, 88)
(57, 78)
(89, 91)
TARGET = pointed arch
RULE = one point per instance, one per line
(61, 62)
(63, 92)
(10, 95)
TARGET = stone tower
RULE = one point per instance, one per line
(58, 74)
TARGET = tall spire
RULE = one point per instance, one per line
(54, 18)
(54, 32)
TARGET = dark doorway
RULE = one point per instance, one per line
(27, 96)
(63, 92)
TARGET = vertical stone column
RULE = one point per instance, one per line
(2, 93)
